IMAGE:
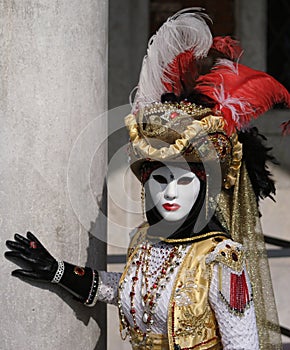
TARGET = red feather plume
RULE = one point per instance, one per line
(227, 46)
(241, 93)
(182, 73)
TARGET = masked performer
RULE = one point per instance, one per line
(187, 281)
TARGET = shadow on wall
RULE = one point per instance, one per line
(97, 248)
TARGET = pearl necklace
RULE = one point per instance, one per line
(149, 295)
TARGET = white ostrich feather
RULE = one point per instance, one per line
(181, 32)
(230, 65)
(237, 106)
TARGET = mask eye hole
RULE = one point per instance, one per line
(159, 178)
(185, 180)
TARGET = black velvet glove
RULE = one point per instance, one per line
(80, 282)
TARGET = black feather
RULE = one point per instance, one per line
(256, 155)
(169, 97)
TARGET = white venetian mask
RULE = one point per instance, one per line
(173, 191)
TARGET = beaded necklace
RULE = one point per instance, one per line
(150, 294)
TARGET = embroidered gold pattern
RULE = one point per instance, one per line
(192, 324)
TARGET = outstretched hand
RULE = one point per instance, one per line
(29, 251)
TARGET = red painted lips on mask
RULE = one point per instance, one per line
(171, 207)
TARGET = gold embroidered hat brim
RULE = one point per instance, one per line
(201, 140)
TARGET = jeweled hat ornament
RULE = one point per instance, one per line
(193, 97)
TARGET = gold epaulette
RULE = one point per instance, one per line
(228, 253)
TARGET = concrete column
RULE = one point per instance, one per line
(251, 30)
(53, 66)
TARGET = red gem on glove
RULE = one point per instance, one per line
(79, 271)
(33, 245)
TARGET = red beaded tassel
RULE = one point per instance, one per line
(239, 295)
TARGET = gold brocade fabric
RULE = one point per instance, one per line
(237, 210)
(156, 342)
(152, 341)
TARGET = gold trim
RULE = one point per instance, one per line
(236, 161)
(172, 296)
(189, 239)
